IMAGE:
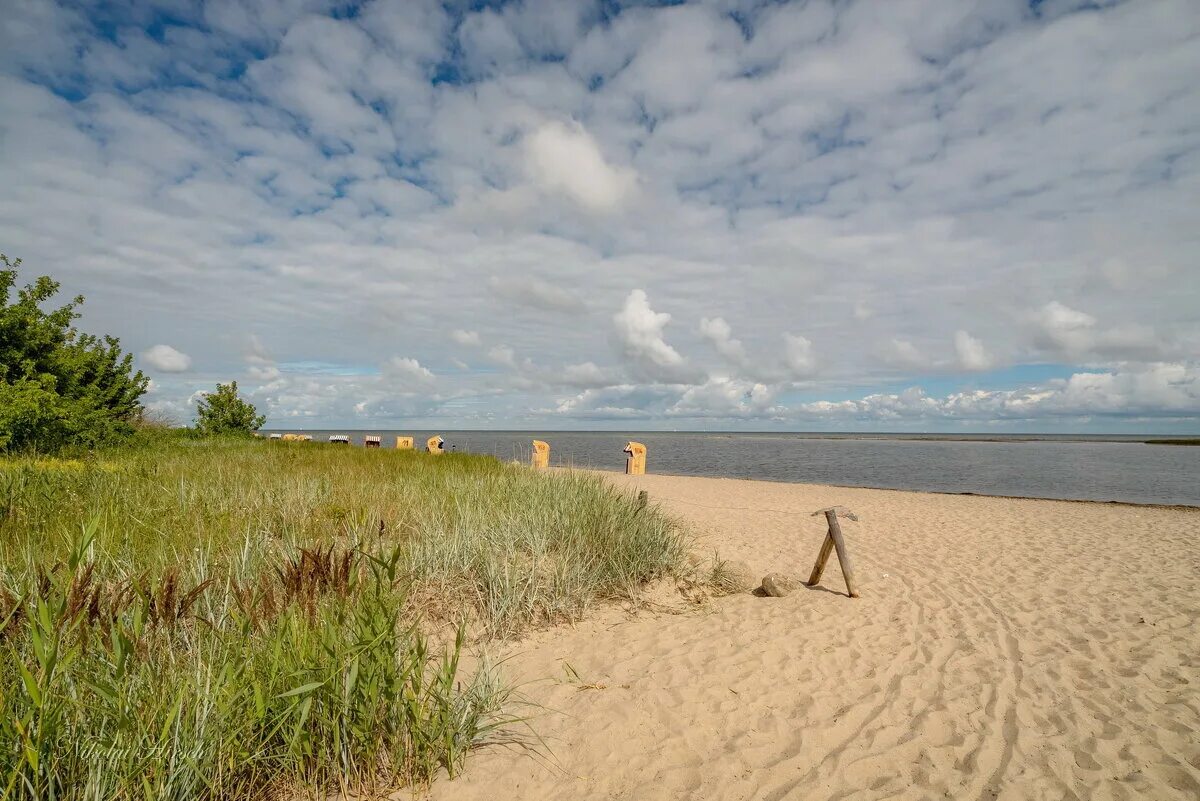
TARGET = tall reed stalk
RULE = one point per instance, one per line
(233, 619)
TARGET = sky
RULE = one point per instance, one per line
(736, 215)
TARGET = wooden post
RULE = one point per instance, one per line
(822, 558)
(834, 541)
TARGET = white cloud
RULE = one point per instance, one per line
(798, 353)
(537, 294)
(588, 374)
(468, 339)
(639, 333)
(255, 352)
(407, 369)
(1165, 389)
(718, 332)
(566, 158)
(167, 359)
(1062, 328)
(1063, 331)
(263, 373)
(723, 398)
(503, 355)
(971, 353)
(903, 353)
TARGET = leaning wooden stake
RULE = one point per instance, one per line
(834, 541)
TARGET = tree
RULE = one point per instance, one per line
(59, 387)
(223, 412)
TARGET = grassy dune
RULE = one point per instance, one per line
(188, 618)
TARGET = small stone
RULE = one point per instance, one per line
(734, 577)
(777, 585)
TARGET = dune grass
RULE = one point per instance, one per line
(192, 618)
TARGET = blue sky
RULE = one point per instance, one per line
(911, 215)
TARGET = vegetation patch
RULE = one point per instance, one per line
(189, 618)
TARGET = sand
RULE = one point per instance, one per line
(1002, 648)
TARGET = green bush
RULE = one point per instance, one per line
(59, 387)
(223, 412)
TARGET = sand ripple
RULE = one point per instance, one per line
(1002, 649)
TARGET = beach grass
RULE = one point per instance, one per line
(190, 618)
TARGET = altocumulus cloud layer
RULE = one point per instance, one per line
(902, 215)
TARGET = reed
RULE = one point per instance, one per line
(235, 619)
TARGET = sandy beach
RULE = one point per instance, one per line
(1002, 648)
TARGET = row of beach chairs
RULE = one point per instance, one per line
(635, 463)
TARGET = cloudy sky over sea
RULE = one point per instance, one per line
(765, 215)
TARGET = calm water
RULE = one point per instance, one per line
(1074, 467)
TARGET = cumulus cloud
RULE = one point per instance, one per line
(465, 338)
(903, 353)
(1062, 328)
(264, 373)
(1159, 390)
(723, 398)
(503, 355)
(718, 332)
(798, 353)
(167, 359)
(588, 374)
(565, 158)
(797, 360)
(1063, 331)
(537, 294)
(639, 333)
(970, 351)
(1163, 390)
(407, 370)
(254, 352)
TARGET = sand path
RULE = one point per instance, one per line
(1010, 649)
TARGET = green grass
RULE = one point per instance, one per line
(192, 618)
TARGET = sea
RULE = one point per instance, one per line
(1124, 468)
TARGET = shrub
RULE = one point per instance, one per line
(223, 412)
(59, 387)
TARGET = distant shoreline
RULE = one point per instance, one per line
(1183, 507)
(896, 436)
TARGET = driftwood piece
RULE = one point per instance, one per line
(834, 541)
(841, 510)
(822, 558)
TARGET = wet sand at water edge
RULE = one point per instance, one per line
(1002, 648)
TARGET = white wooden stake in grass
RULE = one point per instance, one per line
(834, 541)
